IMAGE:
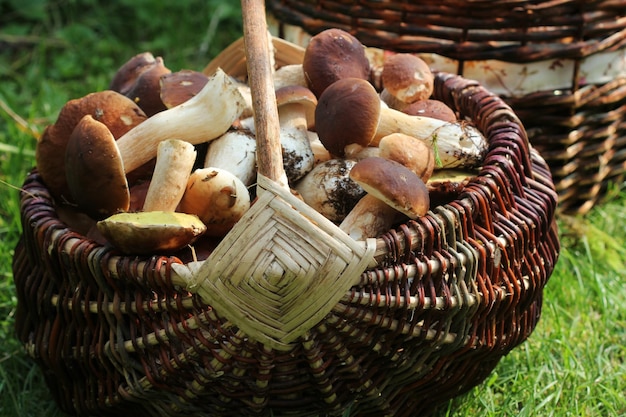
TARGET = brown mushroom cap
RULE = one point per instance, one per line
(127, 74)
(431, 108)
(407, 77)
(394, 184)
(178, 87)
(347, 112)
(299, 98)
(409, 151)
(146, 90)
(111, 108)
(331, 55)
(94, 170)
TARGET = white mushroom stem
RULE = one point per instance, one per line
(369, 218)
(294, 118)
(455, 144)
(298, 157)
(202, 118)
(234, 151)
(217, 197)
(357, 152)
(174, 162)
(247, 123)
(244, 90)
(320, 153)
(289, 75)
(329, 190)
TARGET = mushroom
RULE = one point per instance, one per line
(369, 218)
(174, 162)
(179, 86)
(406, 78)
(296, 115)
(391, 184)
(358, 152)
(347, 113)
(94, 170)
(431, 108)
(200, 119)
(331, 55)
(350, 111)
(320, 153)
(145, 91)
(287, 75)
(246, 93)
(116, 111)
(411, 152)
(328, 189)
(217, 197)
(234, 151)
(151, 232)
(126, 76)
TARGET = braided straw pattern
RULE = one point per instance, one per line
(452, 293)
(296, 264)
(577, 124)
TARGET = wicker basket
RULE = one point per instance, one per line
(561, 65)
(449, 295)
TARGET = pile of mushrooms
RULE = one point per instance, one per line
(166, 159)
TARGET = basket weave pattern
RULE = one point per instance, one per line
(560, 65)
(453, 292)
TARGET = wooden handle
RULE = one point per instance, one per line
(257, 49)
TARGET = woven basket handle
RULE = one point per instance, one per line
(283, 266)
(257, 50)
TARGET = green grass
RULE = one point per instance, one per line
(574, 364)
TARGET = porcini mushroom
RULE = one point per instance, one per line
(349, 111)
(145, 91)
(217, 197)
(179, 86)
(296, 115)
(94, 170)
(126, 75)
(234, 151)
(407, 78)
(391, 184)
(358, 152)
(331, 55)
(116, 111)
(320, 153)
(369, 218)
(329, 190)
(436, 109)
(200, 119)
(411, 152)
(151, 232)
(174, 162)
(287, 75)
